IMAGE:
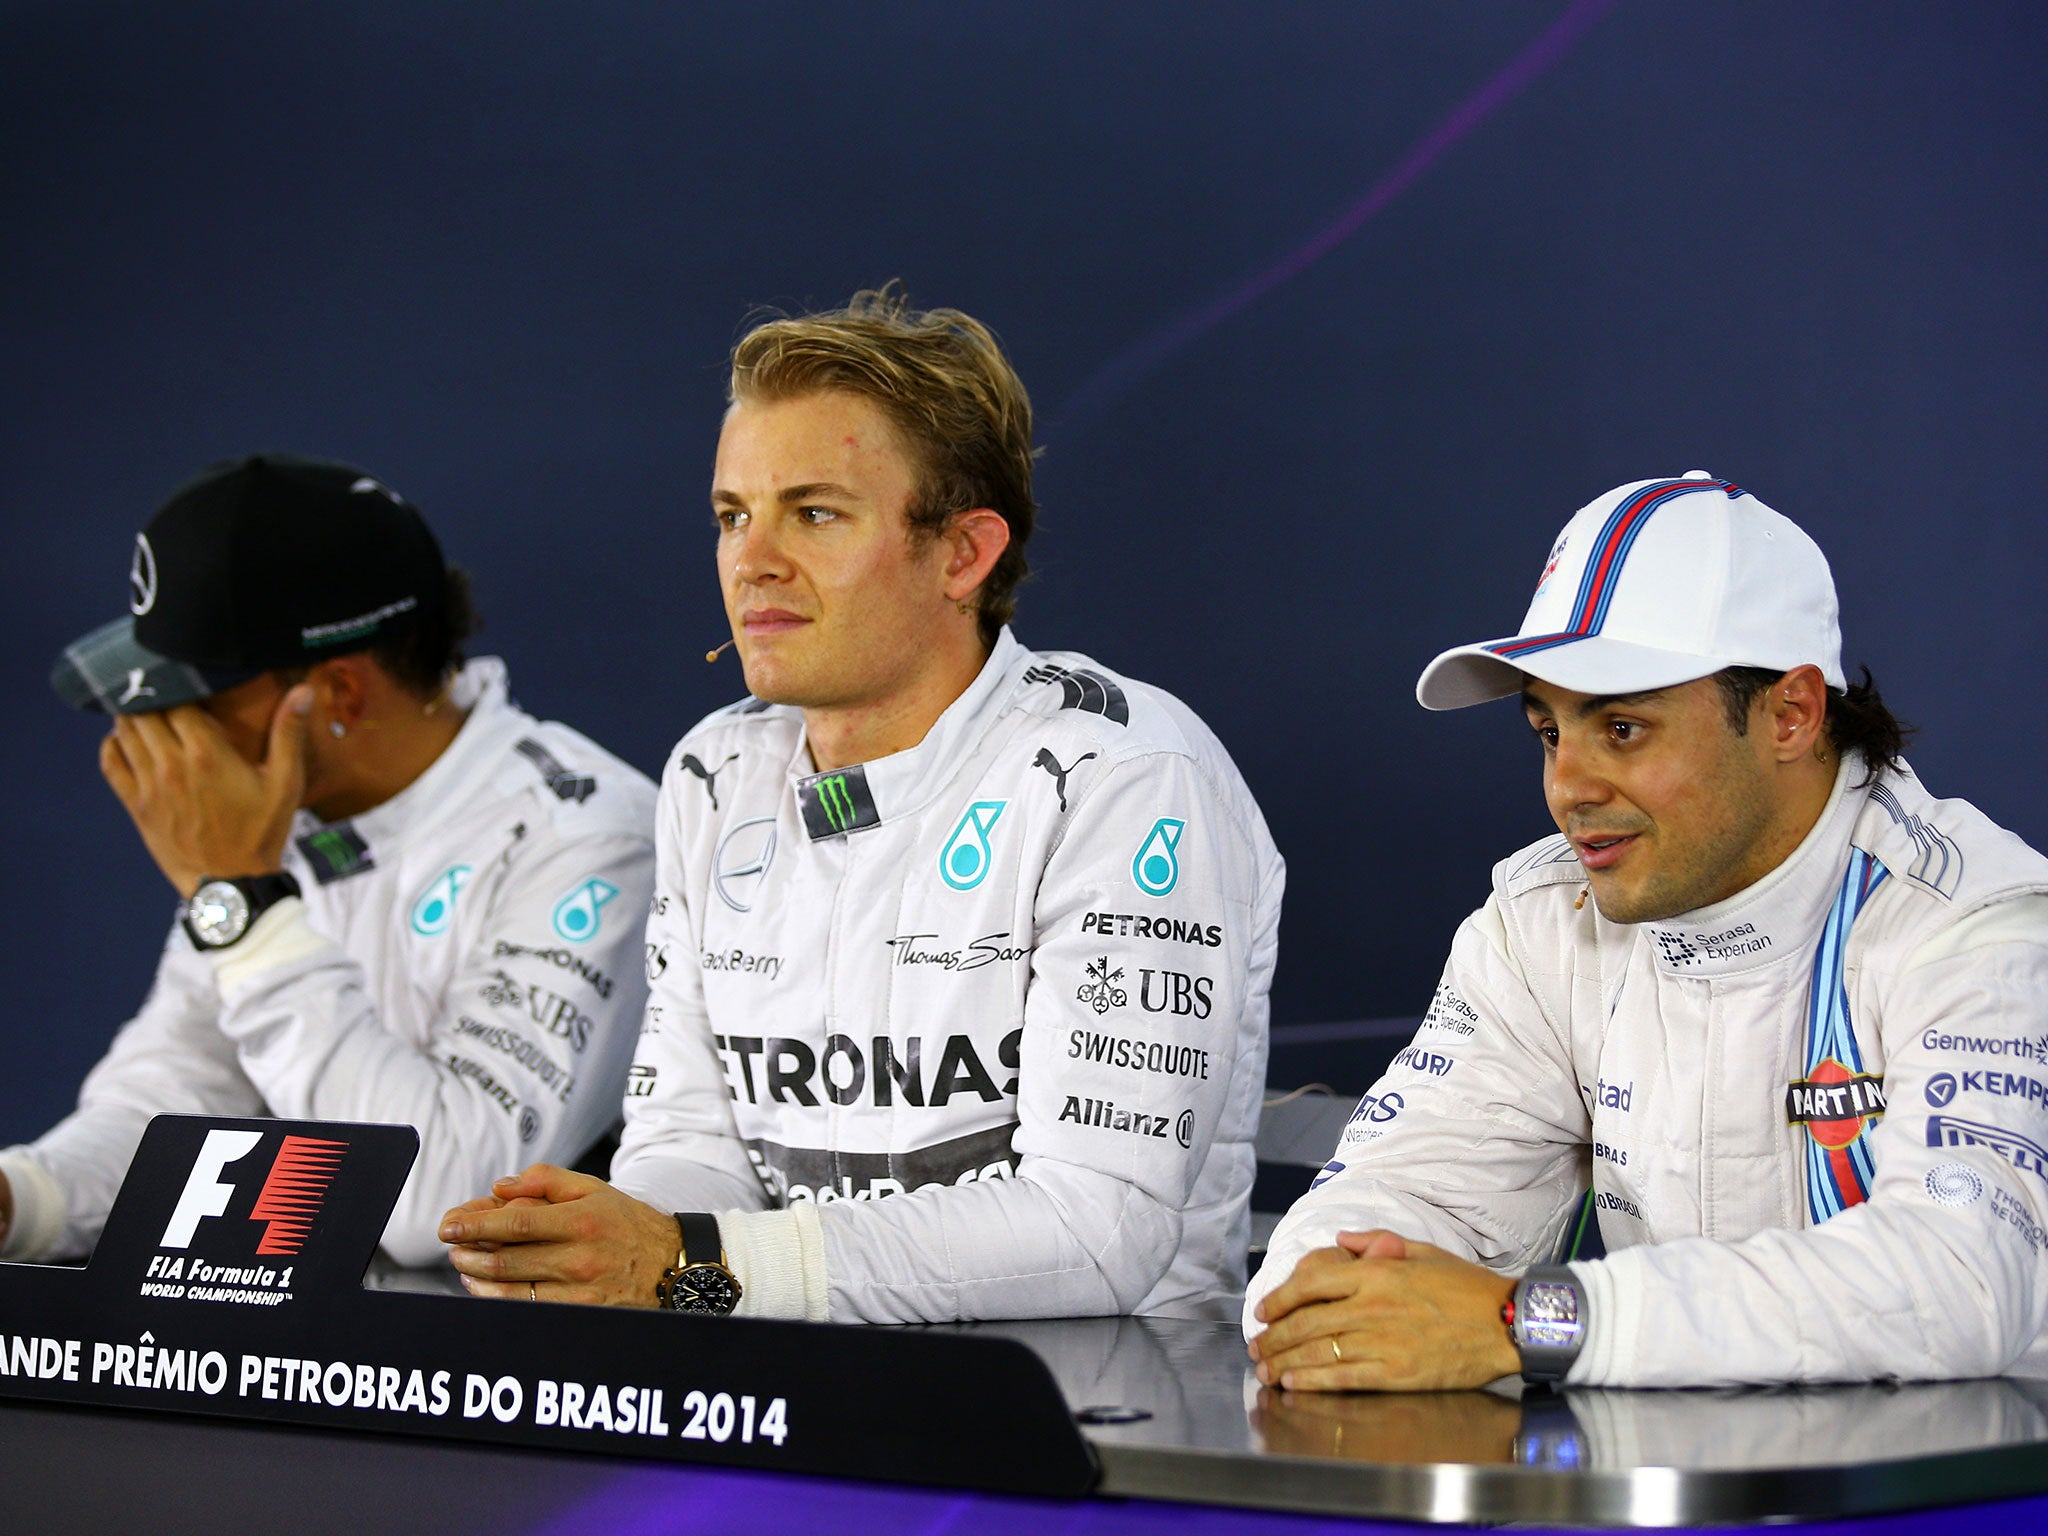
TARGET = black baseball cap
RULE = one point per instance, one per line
(264, 562)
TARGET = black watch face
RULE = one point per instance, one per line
(704, 1288)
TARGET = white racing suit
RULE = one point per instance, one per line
(465, 960)
(1671, 1063)
(1012, 979)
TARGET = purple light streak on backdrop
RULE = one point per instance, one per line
(1139, 359)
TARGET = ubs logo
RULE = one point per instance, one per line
(741, 861)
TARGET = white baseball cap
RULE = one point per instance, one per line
(1654, 584)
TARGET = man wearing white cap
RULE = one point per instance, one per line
(1780, 1009)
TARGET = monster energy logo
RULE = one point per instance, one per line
(837, 803)
(336, 852)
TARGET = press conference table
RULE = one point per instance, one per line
(1200, 1447)
(216, 1367)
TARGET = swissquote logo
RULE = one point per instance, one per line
(227, 1265)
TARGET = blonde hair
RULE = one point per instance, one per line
(942, 379)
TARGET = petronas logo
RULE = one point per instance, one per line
(836, 801)
(435, 909)
(1156, 869)
(579, 915)
(964, 861)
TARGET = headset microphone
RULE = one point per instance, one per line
(714, 655)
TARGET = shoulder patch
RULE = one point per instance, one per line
(578, 787)
(1937, 862)
(336, 852)
(1550, 862)
(1084, 690)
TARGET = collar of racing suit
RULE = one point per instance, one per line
(905, 782)
(1773, 921)
(481, 688)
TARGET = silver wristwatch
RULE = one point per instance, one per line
(222, 911)
(1547, 1321)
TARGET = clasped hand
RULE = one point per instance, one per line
(552, 1235)
(201, 807)
(1380, 1313)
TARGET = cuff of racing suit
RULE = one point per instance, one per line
(779, 1257)
(40, 1208)
(281, 936)
(1613, 1315)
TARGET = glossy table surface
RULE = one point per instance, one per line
(1212, 1434)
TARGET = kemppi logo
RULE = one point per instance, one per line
(289, 1200)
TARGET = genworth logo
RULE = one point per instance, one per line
(1156, 869)
(964, 861)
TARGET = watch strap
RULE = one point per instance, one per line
(700, 1239)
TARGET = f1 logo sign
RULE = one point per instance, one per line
(205, 1195)
(287, 1203)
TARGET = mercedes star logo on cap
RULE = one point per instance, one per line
(142, 577)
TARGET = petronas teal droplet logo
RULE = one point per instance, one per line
(1156, 869)
(435, 909)
(579, 914)
(964, 861)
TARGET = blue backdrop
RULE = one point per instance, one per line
(1333, 312)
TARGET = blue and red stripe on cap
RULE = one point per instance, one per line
(1603, 568)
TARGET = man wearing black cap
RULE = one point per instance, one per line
(404, 899)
